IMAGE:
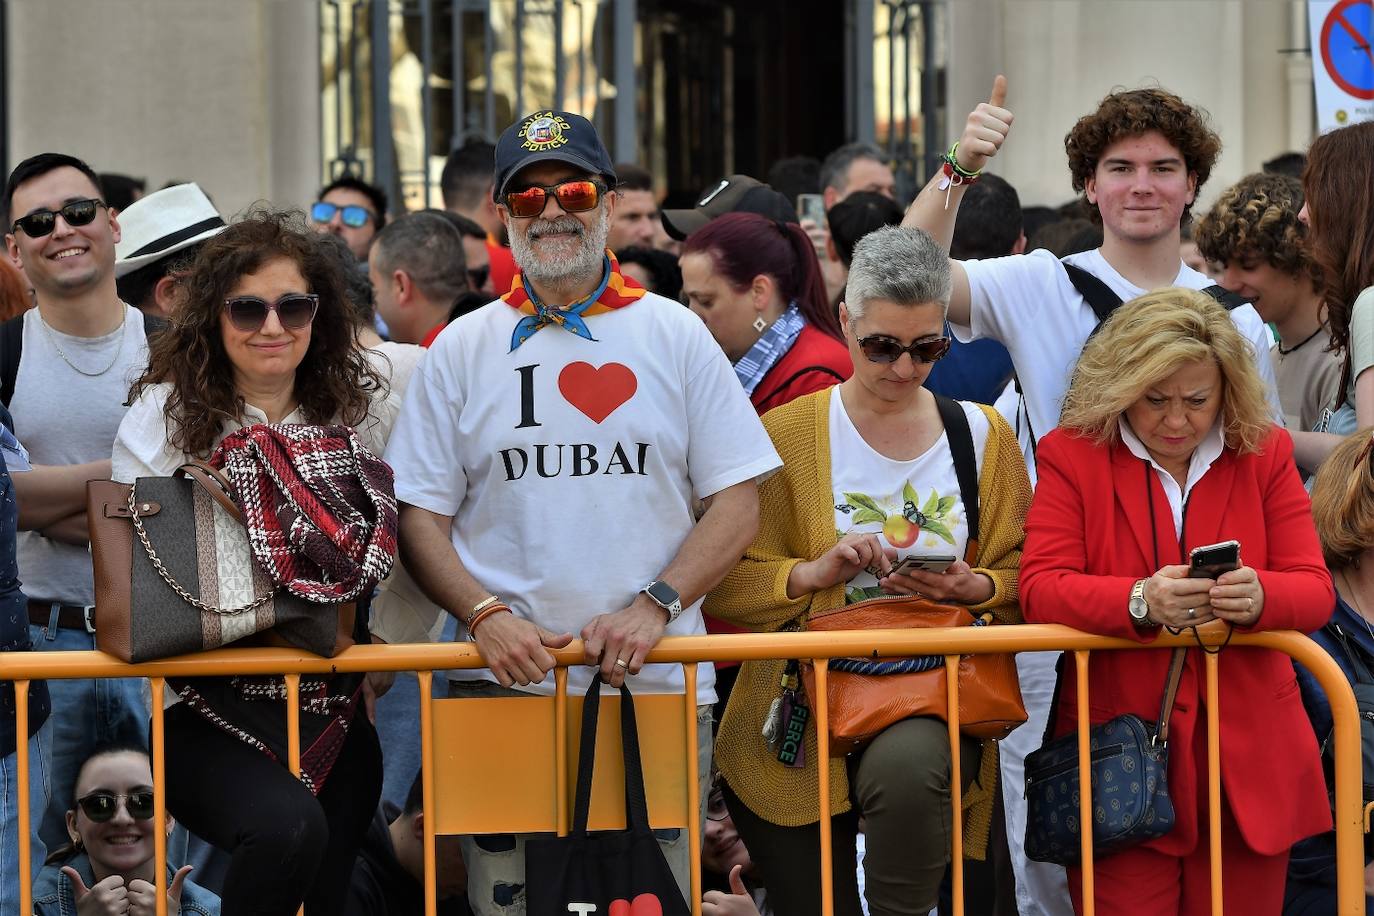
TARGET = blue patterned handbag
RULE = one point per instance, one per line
(1131, 804)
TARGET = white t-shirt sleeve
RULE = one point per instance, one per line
(427, 474)
(1253, 327)
(1007, 294)
(141, 448)
(726, 441)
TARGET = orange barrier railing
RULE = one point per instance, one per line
(1351, 820)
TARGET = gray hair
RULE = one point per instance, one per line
(428, 248)
(903, 265)
(835, 168)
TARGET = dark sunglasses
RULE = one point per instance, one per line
(294, 311)
(477, 276)
(354, 216)
(879, 348)
(576, 195)
(42, 222)
(101, 806)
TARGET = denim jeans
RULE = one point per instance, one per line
(85, 715)
(398, 728)
(38, 789)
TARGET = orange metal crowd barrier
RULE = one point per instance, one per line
(676, 780)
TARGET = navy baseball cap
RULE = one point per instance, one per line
(560, 136)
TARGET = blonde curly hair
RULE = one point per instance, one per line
(1144, 342)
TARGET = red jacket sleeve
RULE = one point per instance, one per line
(1297, 585)
(1055, 584)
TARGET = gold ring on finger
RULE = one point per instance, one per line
(620, 663)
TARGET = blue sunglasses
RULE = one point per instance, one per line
(354, 216)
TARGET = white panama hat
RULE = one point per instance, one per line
(163, 223)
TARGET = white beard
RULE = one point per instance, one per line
(585, 262)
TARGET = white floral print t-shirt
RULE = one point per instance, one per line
(913, 506)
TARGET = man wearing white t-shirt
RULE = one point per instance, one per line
(1139, 161)
(551, 452)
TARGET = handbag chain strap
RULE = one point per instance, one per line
(172, 583)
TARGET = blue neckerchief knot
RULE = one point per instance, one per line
(568, 317)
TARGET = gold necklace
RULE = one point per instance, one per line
(119, 348)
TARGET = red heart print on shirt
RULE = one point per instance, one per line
(643, 905)
(597, 392)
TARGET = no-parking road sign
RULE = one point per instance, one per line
(1342, 60)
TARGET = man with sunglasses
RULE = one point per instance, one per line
(353, 210)
(81, 348)
(550, 455)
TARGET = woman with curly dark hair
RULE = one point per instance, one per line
(263, 334)
(1339, 186)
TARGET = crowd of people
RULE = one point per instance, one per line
(614, 423)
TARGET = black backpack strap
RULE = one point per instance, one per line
(11, 348)
(1097, 294)
(1228, 299)
(960, 438)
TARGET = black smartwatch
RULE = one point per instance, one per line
(666, 597)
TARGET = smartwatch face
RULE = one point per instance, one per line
(663, 593)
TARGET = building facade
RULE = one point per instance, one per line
(267, 99)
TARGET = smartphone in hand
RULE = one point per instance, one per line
(1211, 560)
(930, 563)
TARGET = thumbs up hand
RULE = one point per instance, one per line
(143, 895)
(985, 130)
(107, 898)
(736, 903)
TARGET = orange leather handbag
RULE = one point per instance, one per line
(867, 695)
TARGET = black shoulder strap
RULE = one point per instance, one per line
(1228, 299)
(960, 438)
(1097, 294)
(11, 347)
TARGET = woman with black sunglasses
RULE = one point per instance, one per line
(107, 869)
(263, 335)
(870, 476)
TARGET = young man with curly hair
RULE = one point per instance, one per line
(1139, 161)
(1254, 233)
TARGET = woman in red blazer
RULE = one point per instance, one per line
(1166, 444)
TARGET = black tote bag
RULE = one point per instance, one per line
(618, 871)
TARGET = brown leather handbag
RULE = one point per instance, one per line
(866, 696)
(174, 572)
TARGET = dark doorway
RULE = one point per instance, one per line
(733, 87)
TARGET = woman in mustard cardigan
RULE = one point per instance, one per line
(868, 477)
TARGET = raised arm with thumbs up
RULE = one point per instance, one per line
(937, 206)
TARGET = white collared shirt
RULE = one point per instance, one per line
(1207, 452)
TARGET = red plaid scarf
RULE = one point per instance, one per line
(319, 507)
